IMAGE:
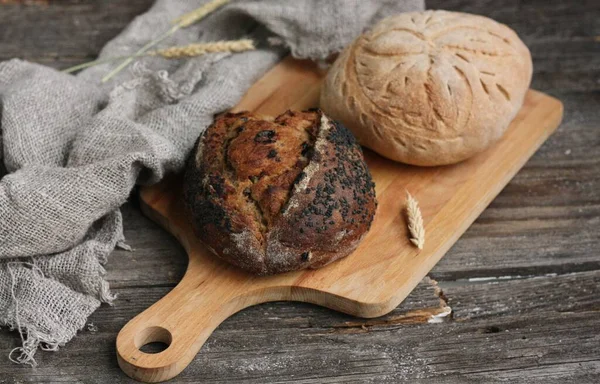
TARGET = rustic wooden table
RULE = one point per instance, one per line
(523, 282)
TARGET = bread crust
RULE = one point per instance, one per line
(429, 88)
(272, 195)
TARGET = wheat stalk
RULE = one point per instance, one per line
(178, 52)
(181, 22)
(415, 222)
(192, 50)
(199, 14)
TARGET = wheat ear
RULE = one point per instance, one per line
(415, 222)
(192, 50)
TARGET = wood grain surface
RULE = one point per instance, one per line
(522, 281)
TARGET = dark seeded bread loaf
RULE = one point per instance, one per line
(276, 195)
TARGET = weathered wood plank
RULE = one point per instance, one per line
(157, 258)
(499, 330)
(487, 298)
(63, 33)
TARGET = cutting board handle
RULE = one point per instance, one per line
(176, 321)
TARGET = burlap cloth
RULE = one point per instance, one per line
(74, 148)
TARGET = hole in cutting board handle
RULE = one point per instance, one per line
(153, 340)
(154, 347)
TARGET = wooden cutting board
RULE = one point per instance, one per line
(372, 281)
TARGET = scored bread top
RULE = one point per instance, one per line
(277, 194)
(429, 88)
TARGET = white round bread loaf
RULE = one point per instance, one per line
(429, 88)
